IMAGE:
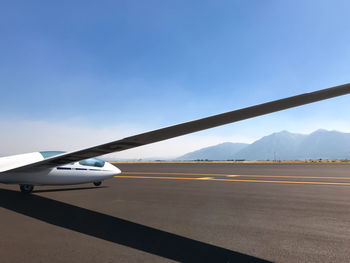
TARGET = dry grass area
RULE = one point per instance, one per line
(245, 162)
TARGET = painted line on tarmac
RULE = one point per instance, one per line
(294, 176)
(162, 173)
(231, 180)
(243, 175)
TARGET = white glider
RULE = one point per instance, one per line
(78, 167)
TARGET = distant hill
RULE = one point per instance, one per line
(326, 145)
(282, 145)
(223, 151)
(321, 144)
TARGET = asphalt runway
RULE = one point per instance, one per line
(158, 212)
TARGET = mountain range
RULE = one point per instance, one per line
(284, 145)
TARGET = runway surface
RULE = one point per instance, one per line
(185, 212)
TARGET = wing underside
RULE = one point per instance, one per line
(186, 128)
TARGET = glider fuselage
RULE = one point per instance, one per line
(91, 170)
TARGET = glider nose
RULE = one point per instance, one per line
(110, 167)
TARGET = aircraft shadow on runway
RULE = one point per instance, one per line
(69, 189)
(117, 230)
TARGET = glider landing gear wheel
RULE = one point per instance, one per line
(97, 183)
(26, 188)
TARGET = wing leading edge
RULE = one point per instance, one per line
(187, 127)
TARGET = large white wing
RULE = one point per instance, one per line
(187, 127)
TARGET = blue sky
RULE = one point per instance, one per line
(85, 72)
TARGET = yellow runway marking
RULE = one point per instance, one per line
(175, 173)
(232, 180)
(154, 177)
(293, 176)
(244, 175)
